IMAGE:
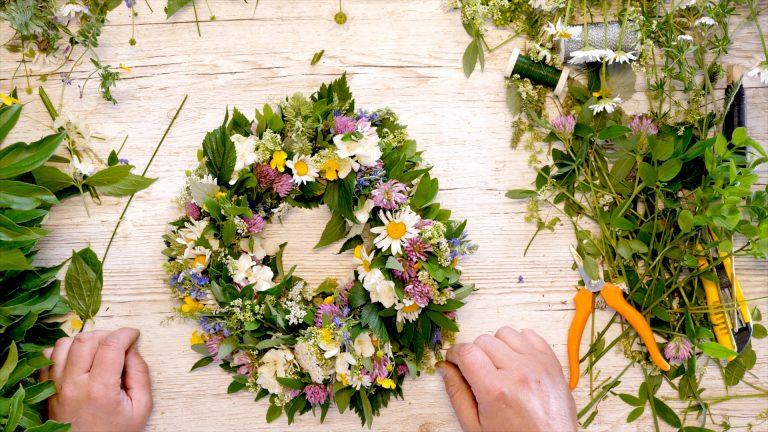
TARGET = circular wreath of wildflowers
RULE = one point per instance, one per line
(353, 342)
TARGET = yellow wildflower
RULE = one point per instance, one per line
(220, 194)
(191, 305)
(196, 338)
(328, 300)
(331, 169)
(344, 378)
(278, 160)
(326, 336)
(76, 323)
(8, 100)
(199, 260)
(387, 383)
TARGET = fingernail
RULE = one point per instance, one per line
(440, 368)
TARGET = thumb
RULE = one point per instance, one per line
(462, 398)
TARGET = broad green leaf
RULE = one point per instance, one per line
(12, 232)
(425, 192)
(591, 268)
(648, 174)
(273, 412)
(291, 383)
(335, 229)
(13, 259)
(367, 410)
(205, 361)
(613, 131)
(520, 193)
(52, 178)
(442, 321)
(662, 148)
(174, 6)
(83, 283)
(50, 426)
(685, 220)
(342, 397)
(9, 115)
(219, 152)
(339, 197)
(20, 158)
(759, 331)
(666, 413)
(716, 351)
(469, 59)
(669, 169)
(15, 410)
(9, 365)
(118, 181)
(24, 196)
(624, 249)
(635, 414)
(631, 400)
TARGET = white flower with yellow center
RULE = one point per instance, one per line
(329, 342)
(198, 257)
(303, 169)
(761, 71)
(407, 311)
(606, 104)
(559, 30)
(364, 345)
(246, 271)
(363, 261)
(380, 288)
(191, 232)
(397, 229)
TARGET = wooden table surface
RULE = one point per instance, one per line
(401, 54)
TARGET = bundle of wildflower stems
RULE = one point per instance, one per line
(650, 196)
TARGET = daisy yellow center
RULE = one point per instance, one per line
(396, 230)
(359, 252)
(198, 261)
(326, 336)
(331, 169)
(301, 168)
(411, 308)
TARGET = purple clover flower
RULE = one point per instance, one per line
(678, 350)
(643, 124)
(564, 125)
(343, 124)
(329, 310)
(416, 249)
(283, 185)
(254, 224)
(193, 211)
(403, 369)
(316, 394)
(419, 292)
(389, 195)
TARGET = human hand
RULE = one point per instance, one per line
(101, 380)
(510, 381)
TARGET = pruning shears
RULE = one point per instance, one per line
(614, 297)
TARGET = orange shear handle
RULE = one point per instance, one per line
(583, 302)
(614, 298)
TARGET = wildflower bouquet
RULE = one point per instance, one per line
(47, 34)
(347, 342)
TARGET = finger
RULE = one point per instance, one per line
(45, 372)
(59, 357)
(137, 382)
(474, 364)
(81, 353)
(461, 396)
(108, 363)
(514, 340)
(535, 340)
(500, 353)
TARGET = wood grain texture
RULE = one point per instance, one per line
(401, 54)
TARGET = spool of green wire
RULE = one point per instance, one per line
(538, 72)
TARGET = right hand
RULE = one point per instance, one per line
(510, 381)
(101, 380)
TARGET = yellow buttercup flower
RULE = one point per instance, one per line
(328, 300)
(278, 160)
(331, 169)
(191, 305)
(196, 338)
(8, 100)
(387, 383)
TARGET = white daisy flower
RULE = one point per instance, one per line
(191, 232)
(199, 258)
(407, 311)
(622, 57)
(246, 271)
(561, 31)
(685, 38)
(760, 70)
(303, 169)
(363, 261)
(605, 104)
(70, 11)
(704, 21)
(397, 228)
(589, 55)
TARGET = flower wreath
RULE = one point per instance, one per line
(347, 342)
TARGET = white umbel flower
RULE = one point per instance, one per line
(705, 21)
(397, 229)
(303, 169)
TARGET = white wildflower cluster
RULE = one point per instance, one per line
(243, 311)
(296, 312)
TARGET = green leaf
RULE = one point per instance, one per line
(50, 426)
(118, 181)
(20, 158)
(648, 174)
(15, 410)
(339, 197)
(342, 397)
(520, 193)
(666, 413)
(273, 412)
(685, 220)
(174, 6)
(591, 267)
(425, 192)
(367, 410)
(13, 259)
(469, 60)
(24, 196)
(226, 347)
(631, 400)
(669, 169)
(759, 331)
(613, 131)
(9, 115)
(83, 283)
(624, 249)
(369, 316)
(11, 360)
(358, 296)
(662, 148)
(11, 231)
(316, 57)
(442, 321)
(335, 229)
(219, 152)
(716, 351)
(52, 178)
(635, 414)
(291, 383)
(393, 263)
(205, 361)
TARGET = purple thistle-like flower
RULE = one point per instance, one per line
(564, 125)
(283, 185)
(193, 211)
(419, 292)
(678, 350)
(244, 361)
(342, 297)
(389, 195)
(343, 124)
(643, 124)
(254, 224)
(316, 394)
(416, 249)
(212, 344)
(408, 272)
(380, 368)
(265, 175)
(424, 223)
(403, 369)
(329, 310)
